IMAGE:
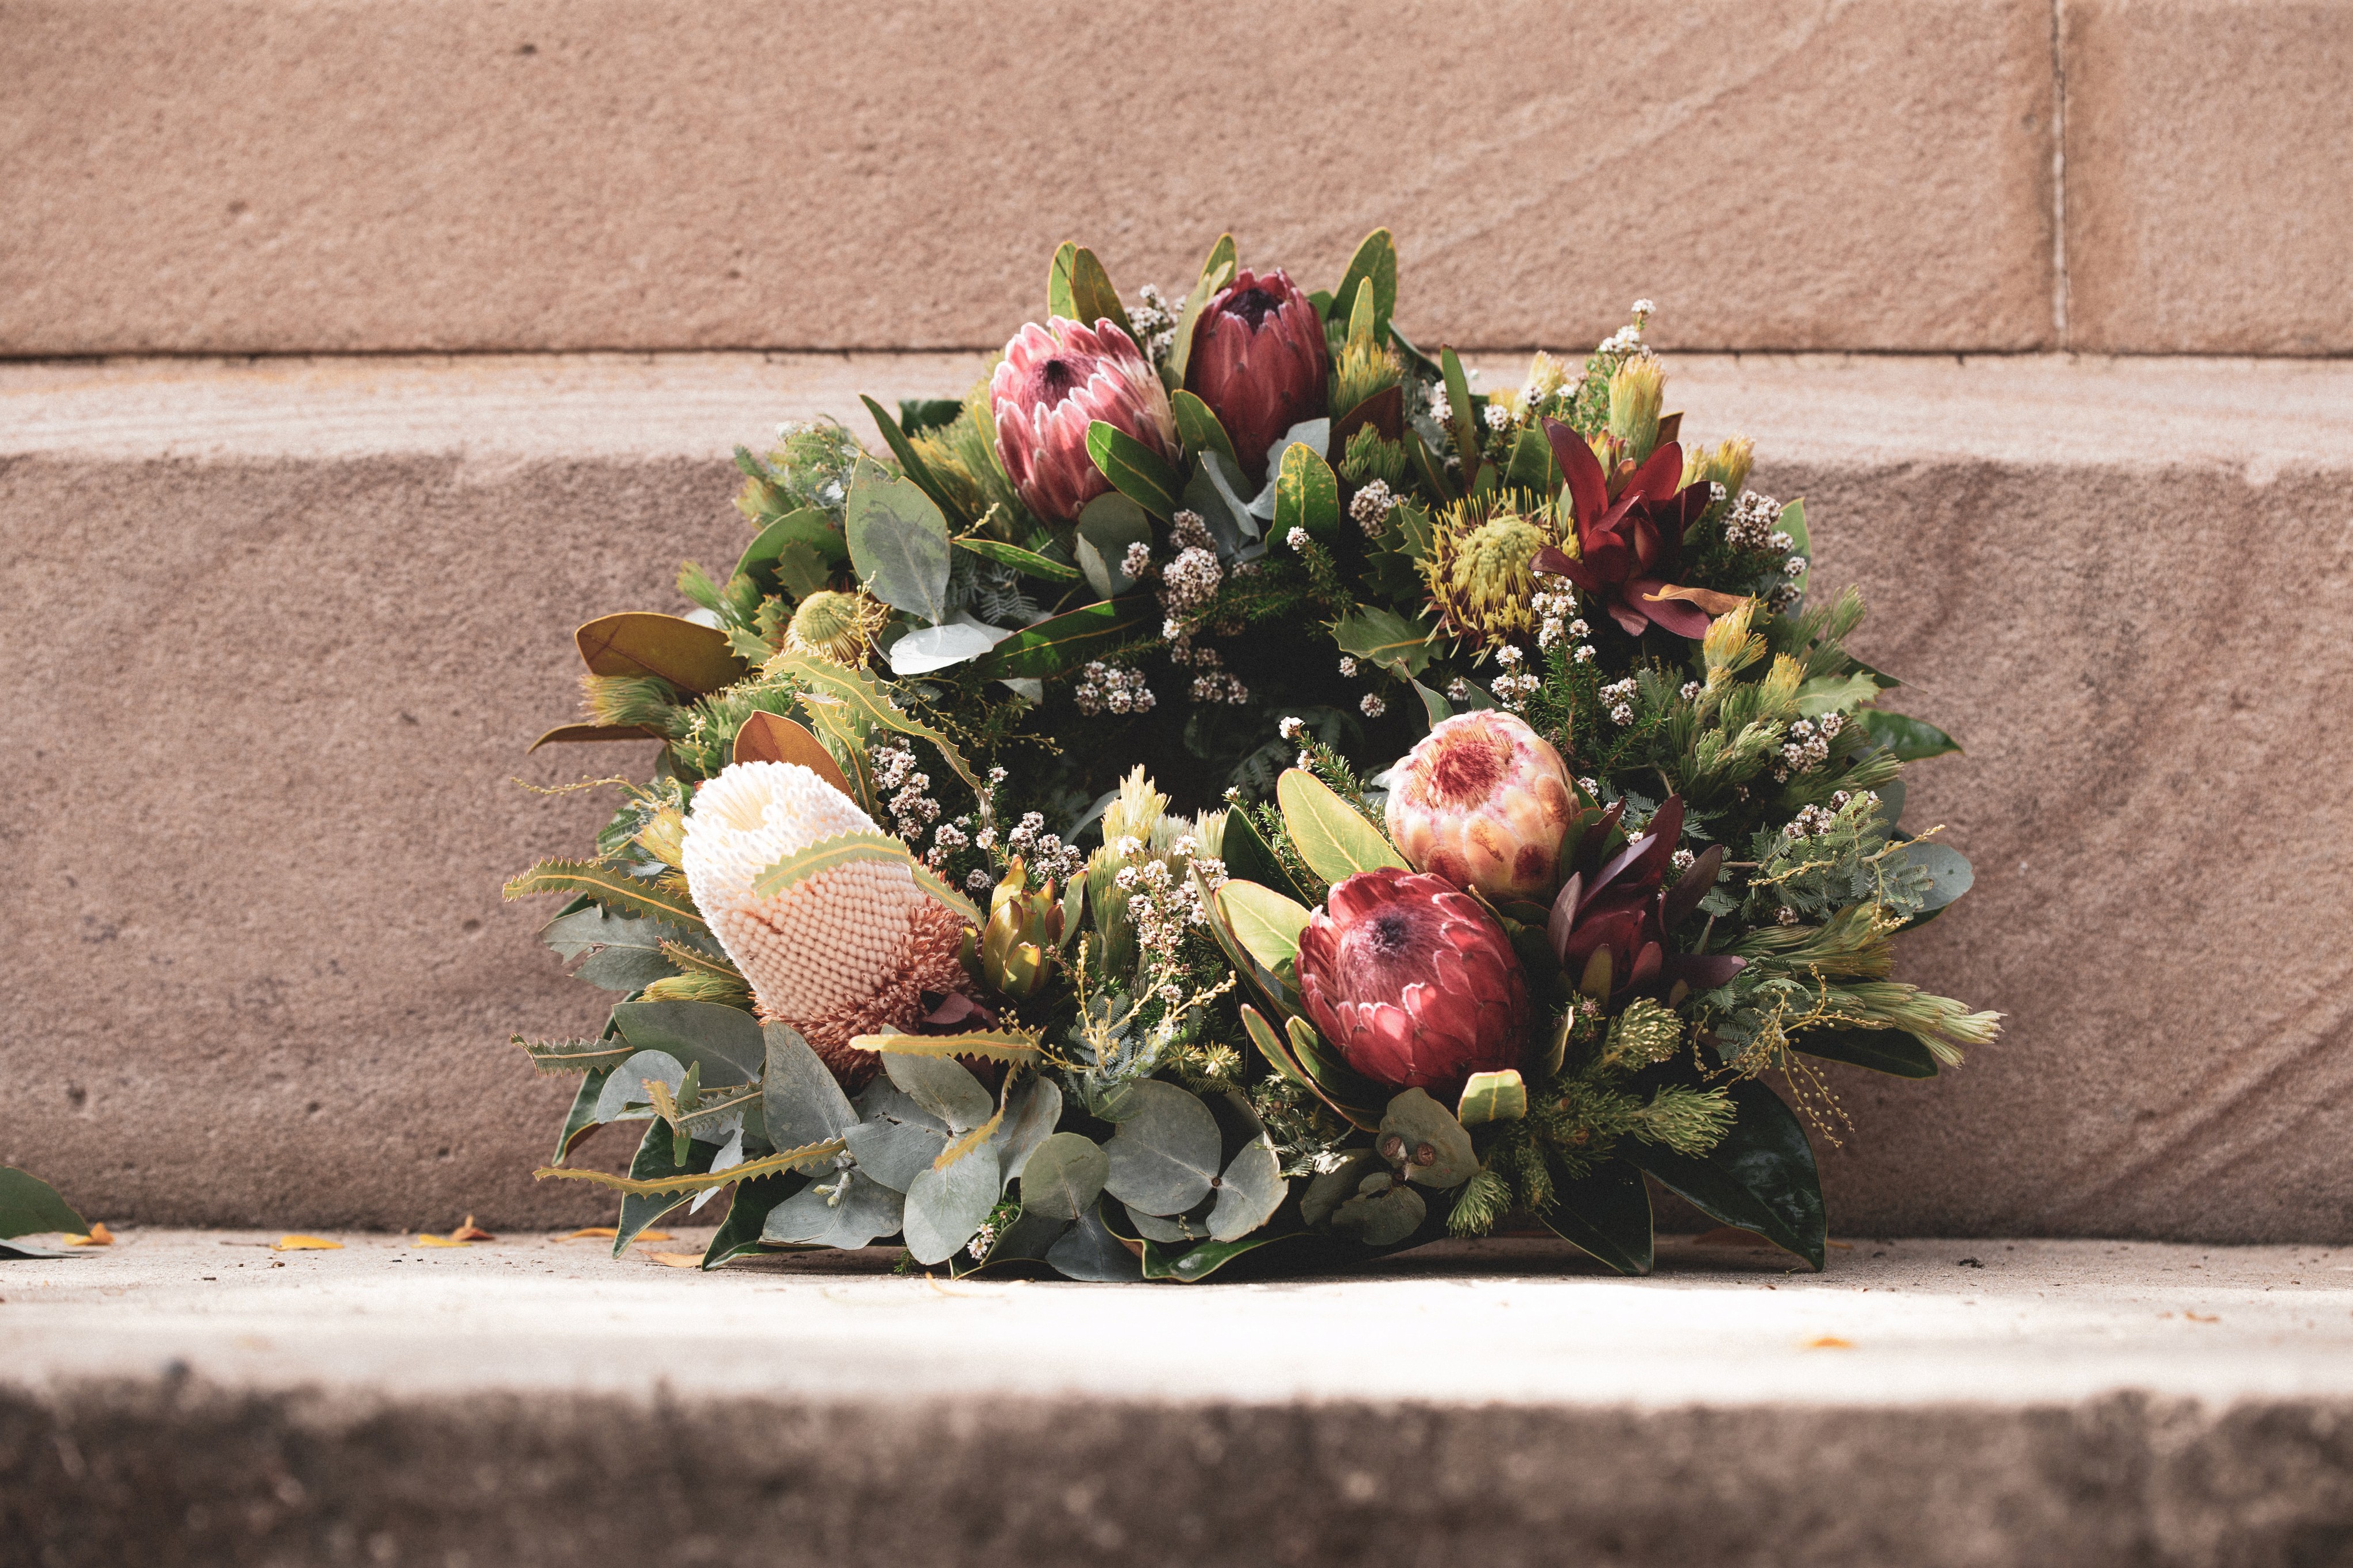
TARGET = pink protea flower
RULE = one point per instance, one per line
(1413, 982)
(848, 952)
(1484, 801)
(1054, 382)
(1259, 362)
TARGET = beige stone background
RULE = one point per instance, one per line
(362, 349)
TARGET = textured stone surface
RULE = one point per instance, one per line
(185, 1399)
(276, 175)
(281, 632)
(2207, 202)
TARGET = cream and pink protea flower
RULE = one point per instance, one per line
(1413, 982)
(1054, 382)
(848, 951)
(1484, 802)
(1260, 361)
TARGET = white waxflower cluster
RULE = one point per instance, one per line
(1372, 707)
(1752, 522)
(1620, 695)
(1109, 688)
(1044, 854)
(1371, 507)
(1497, 416)
(1349, 666)
(1681, 861)
(1290, 728)
(1296, 539)
(1219, 685)
(1458, 689)
(1811, 822)
(1138, 563)
(1554, 603)
(1794, 568)
(1190, 580)
(1515, 686)
(1809, 745)
(912, 809)
(1691, 690)
(1154, 320)
(1441, 412)
(1164, 901)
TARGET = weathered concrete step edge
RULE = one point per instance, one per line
(174, 1471)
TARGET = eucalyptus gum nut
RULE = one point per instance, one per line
(1435, 1150)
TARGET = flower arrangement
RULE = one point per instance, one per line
(1224, 783)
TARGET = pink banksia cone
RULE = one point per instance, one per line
(1484, 801)
(1258, 361)
(1413, 982)
(848, 951)
(1054, 382)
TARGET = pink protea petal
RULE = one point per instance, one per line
(1484, 801)
(1056, 380)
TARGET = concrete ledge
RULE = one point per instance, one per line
(280, 632)
(533, 1403)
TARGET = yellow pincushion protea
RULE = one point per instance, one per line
(836, 625)
(1478, 572)
(848, 951)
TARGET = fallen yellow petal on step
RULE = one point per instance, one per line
(1830, 1342)
(99, 1236)
(606, 1231)
(305, 1244)
(425, 1240)
(676, 1259)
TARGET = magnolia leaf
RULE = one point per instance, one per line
(1607, 1214)
(1336, 842)
(615, 889)
(773, 738)
(1492, 1097)
(928, 648)
(1249, 1192)
(30, 1207)
(1835, 693)
(1064, 642)
(1082, 290)
(1384, 637)
(1135, 469)
(899, 545)
(1165, 1152)
(690, 656)
(1107, 525)
(1264, 922)
(867, 700)
(575, 734)
(1892, 1051)
(1272, 1046)
(946, 1207)
(1761, 1178)
(1064, 1176)
(1909, 738)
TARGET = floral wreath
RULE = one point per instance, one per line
(1223, 782)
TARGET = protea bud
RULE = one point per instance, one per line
(1054, 382)
(847, 952)
(1016, 948)
(1484, 801)
(1413, 982)
(1258, 361)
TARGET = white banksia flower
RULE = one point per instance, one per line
(845, 952)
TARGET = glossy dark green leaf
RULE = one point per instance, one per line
(30, 1207)
(1248, 859)
(1908, 738)
(1882, 1051)
(1200, 1260)
(1135, 469)
(1374, 264)
(1606, 1216)
(581, 1120)
(917, 415)
(1761, 1178)
(748, 1212)
(1066, 641)
(1020, 560)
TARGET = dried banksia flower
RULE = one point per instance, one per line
(838, 627)
(643, 700)
(848, 951)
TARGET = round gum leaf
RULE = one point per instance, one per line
(1432, 1145)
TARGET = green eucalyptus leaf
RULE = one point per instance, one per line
(1248, 1191)
(1165, 1154)
(1089, 1251)
(1437, 1150)
(800, 1099)
(614, 952)
(910, 462)
(1064, 1176)
(1107, 525)
(846, 1209)
(809, 527)
(1382, 1213)
(894, 1152)
(1949, 874)
(899, 545)
(1328, 1191)
(946, 1208)
(944, 1088)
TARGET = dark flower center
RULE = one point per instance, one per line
(1389, 933)
(1055, 379)
(1254, 306)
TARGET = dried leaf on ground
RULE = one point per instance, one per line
(424, 1239)
(99, 1236)
(469, 1231)
(676, 1259)
(1830, 1342)
(305, 1244)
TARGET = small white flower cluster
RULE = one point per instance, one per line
(1154, 320)
(1681, 861)
(1458, 689)
(1372, 706)
(1620, 695)
(1498, 417)
(1809, 745)
(1104, 687)
(1554, 605)
(1811, 822)
(1190, 580)
(1137, 562)
(1043, 854)
(984, 1238)
(1164, 901)
(1752, 522)
(1297, 540)
(1794, 568)
(1291, 728)
(1515, 686)
(1691, 690)
(1371, 507)
(1188, 584)
(947, 837)
(1441, 412)
(912, 809)
(1219, 685)
(1627, 340)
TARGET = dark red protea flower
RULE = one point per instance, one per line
(1259, 362)
(1610, 920)
(1054, 382)
(1629, 544)
(1414, 983)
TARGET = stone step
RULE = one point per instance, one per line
(280, 175)
(193, 1397)
(281, 629)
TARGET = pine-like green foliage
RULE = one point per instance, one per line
(1369, 457)
(643, 700)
